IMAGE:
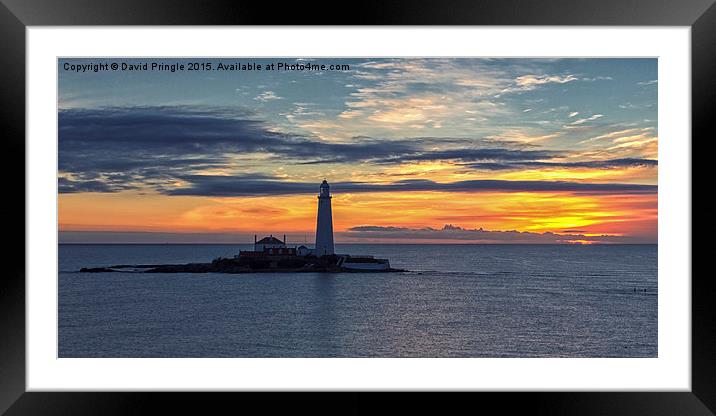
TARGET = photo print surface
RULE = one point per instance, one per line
(363, 207)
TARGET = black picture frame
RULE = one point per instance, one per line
(15, 15)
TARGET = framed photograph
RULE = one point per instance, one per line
(488, 202)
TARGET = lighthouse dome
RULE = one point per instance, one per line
(325, 188)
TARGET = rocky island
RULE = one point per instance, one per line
(291, 264)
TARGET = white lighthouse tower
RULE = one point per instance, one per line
(324, 223)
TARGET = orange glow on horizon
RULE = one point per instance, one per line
(557, 212)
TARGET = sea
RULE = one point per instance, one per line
(453, 301)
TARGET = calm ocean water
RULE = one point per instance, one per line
(456, 301)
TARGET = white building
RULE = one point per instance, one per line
(269, 242)
(324, 223)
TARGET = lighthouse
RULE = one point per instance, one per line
(324, 223)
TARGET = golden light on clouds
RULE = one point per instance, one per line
(621, 175)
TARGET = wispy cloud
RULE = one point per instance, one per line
(267, 96)
(592, 164)
(633, 142)
(522, 136)
(597, 78)
(620, 134)
(529, 81)
(585, 120)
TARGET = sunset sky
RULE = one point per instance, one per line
(416, 150)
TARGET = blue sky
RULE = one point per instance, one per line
(495, 97)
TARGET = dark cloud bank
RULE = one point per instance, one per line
(240, 186)
(116, 149)
(464, 235)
